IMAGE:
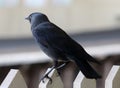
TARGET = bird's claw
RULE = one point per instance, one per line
(46, 76)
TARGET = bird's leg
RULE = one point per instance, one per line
(62, 65)
(53, 67)
(46, 75)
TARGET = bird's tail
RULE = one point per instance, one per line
(87, 70)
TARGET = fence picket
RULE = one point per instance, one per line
(82, 82)
(113, 78)
(56, 80)
(14, 79)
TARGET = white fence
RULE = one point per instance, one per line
(14, 79)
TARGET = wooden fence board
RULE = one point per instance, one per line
(56, 81)
(113, 78)
(14, 79)
(82, 82)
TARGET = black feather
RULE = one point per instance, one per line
(58, 45)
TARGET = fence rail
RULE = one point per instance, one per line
(14, 79)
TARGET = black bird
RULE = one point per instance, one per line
(60, 46)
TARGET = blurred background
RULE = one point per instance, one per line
(94, 24)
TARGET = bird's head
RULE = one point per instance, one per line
(37, 18)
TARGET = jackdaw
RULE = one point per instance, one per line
(59, 45)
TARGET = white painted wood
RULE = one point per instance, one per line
(56, 80)
(14, 79)
(113, 78)
(82, 82)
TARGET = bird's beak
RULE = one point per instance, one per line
(27, 18)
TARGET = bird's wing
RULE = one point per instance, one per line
(57, 38)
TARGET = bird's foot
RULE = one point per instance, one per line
(56, 67)
(46, 77)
